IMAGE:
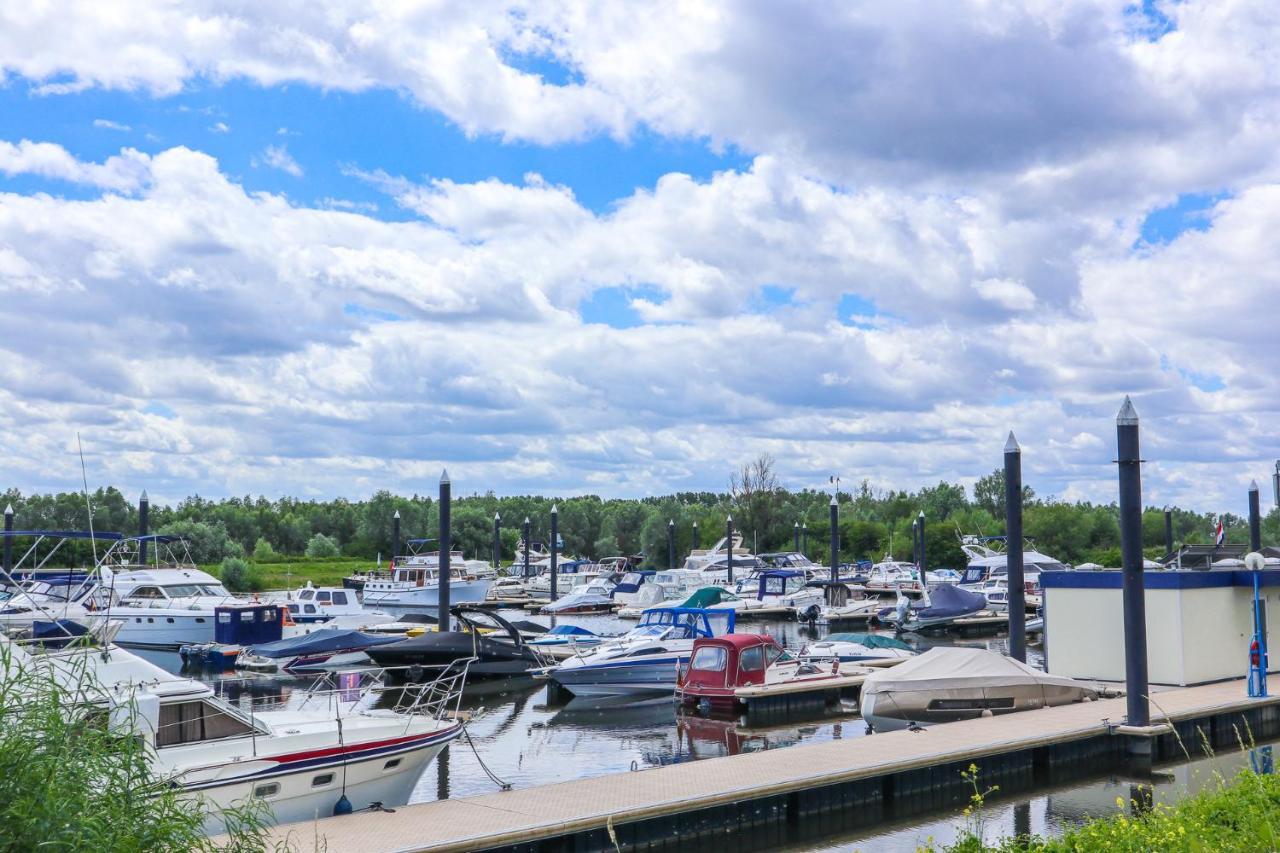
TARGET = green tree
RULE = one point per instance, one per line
(321, 546)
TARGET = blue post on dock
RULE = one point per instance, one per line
(446, 547)
(1013, 560)
(526, 546)
(1135, 605)
(497, 539)
(144, 518)
(835, 539)
(728, 544)
(1258, 647)
(555, 548)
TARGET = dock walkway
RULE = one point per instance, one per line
(859, 765)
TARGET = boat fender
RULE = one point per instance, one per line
(986, 712)
(342, 806)
(835, 666)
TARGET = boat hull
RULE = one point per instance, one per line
(460, 592)
(620, 678)
(158, 629)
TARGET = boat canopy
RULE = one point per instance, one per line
(324, 640)
(570, 631)
(871, 641)
(950, 600)
(708, 596)
(949, 667)
(698, 622)
(633, 580)
(64, 534)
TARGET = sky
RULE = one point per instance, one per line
(566, 247)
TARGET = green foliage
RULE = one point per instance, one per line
(322, 546)
(262, 551)
(207, 541)
(238, 576)
(70, 782)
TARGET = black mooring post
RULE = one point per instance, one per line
(835, 539)
(1168, 531)
(923, 565)
(1013, 551)
(144, 518)
(1255, 519)
(497, 539)
(796, 531)
(915, 542)
(555, 549)
(8, 540)
(446, 547)
(671, 543)
(728, 544)
(395, 536)
(1135, 605)
(695, 544)
(526, 546)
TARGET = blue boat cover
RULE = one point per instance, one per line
(324, 640)
(950, 600)
(570, 631)
(61, 629)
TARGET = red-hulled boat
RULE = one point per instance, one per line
(721, 665)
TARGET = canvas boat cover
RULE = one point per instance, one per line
(570, 631)
(950, 600)
(321, 641)
(871, 641)
(948, 668)
(706, 597)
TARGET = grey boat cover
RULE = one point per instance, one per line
(948, 668)
(950, 600)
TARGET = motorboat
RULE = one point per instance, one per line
(720, 666)
(935, 609)
(957, 683)
(709, 558)
(840, 603)
(718, 598)
(593, 597)
(987, 562)
(569, 573)
(299, 761)
(161, 608)
(333, 607)
(780, 588)
(498, 647)
(892, 576)
(324, 648)
(414, 582)
(996, 591)
(571, 638)
(938, 577)
(791, 560)
(856, 648)
(631, 586)
(644, 660)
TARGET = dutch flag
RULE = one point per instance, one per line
(1220, 534)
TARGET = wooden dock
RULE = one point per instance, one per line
(870, 777)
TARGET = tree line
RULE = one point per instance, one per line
(873, 523)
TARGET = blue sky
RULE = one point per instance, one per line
(323, 251)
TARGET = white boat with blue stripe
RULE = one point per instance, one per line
(646, 659)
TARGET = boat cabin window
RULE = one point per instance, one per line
(771, 654)
(633, 578)
(339, 598)
(148, 592)
(658, 650)
(709, 659)
(306, 595)
(270, 789)
(752, 659)
(323, 596)
(309, 608)
(191, 722)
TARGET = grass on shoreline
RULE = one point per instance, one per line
(293, 572)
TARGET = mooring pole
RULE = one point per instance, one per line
(8, 540)
(526, 546)
(915, 541)
(1135, 605)
(1168, 531)
(395, 537)
(835, 539)
(144, 517)
(795, 529)
(1258, 649)
(1255, 519)
(728, 544)
(695, 544)
(497, 539)
(446, 549)
(555, 548)
(1013, 551)
(923, 564)
(804, 539)
(671, 543)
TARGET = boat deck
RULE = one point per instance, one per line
(587, 805)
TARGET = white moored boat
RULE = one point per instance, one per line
(414, 582)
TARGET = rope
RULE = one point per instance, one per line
(505, 786)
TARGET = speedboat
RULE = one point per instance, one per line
(938, 577)
(956, 683)
(567, 637)
(644, 660)
(892, 576)
(299, 761)
(569, 573)
(324, 648)
(996, 591)
(856, 648)
(718, 598)
(720, 666)
(780, 588)
(633, 585)
(498, 648)
(593, 597)
(839, 603)
(935, 609)
(987, 562)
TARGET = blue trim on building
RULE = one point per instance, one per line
(1111, 579)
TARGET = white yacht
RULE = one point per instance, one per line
(300, 761)
(414, 582)
(325, 606)
(891, 575)
(161, 607)
(987, 562)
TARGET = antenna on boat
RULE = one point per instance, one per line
(84, 477)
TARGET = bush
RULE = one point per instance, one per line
(68, 782)
(263, 552)
(208, 542)
(239, 576)
(322, 546)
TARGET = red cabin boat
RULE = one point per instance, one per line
(721, 665)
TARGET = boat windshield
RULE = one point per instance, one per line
(188, 590)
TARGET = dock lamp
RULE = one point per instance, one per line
(1258, 647)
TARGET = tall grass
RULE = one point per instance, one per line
(72, 779)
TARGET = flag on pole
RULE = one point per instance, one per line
(1220, 534)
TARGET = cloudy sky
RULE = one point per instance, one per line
(565, 246)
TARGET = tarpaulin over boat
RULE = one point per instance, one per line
(871, 641)
(324, 640)
(947, 668)
(949, 600)
(707, 596)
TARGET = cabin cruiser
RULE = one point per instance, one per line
(780, 588)
(996, 591)
(414, 582)
(632, 584)
(702, 559)
(299, 761)
(986, 562)
(497, 647)
(593, 597)
(330, 606)
(840, 603)
(792, 560)
(647, 658)
(161, 607)
(569, 573)
(957, 683)
(893, 575)
(940, 576)
(571, 638)
(856, 648)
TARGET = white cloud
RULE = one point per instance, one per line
(125, 172)
(278, 157)
(219, 127)
(108, 124)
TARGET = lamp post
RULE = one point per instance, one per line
(395, 537)
(923, 562)
(1258, 648)
(8, 540)
(804, 539)
(795, 529)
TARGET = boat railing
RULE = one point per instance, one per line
(420, 696)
